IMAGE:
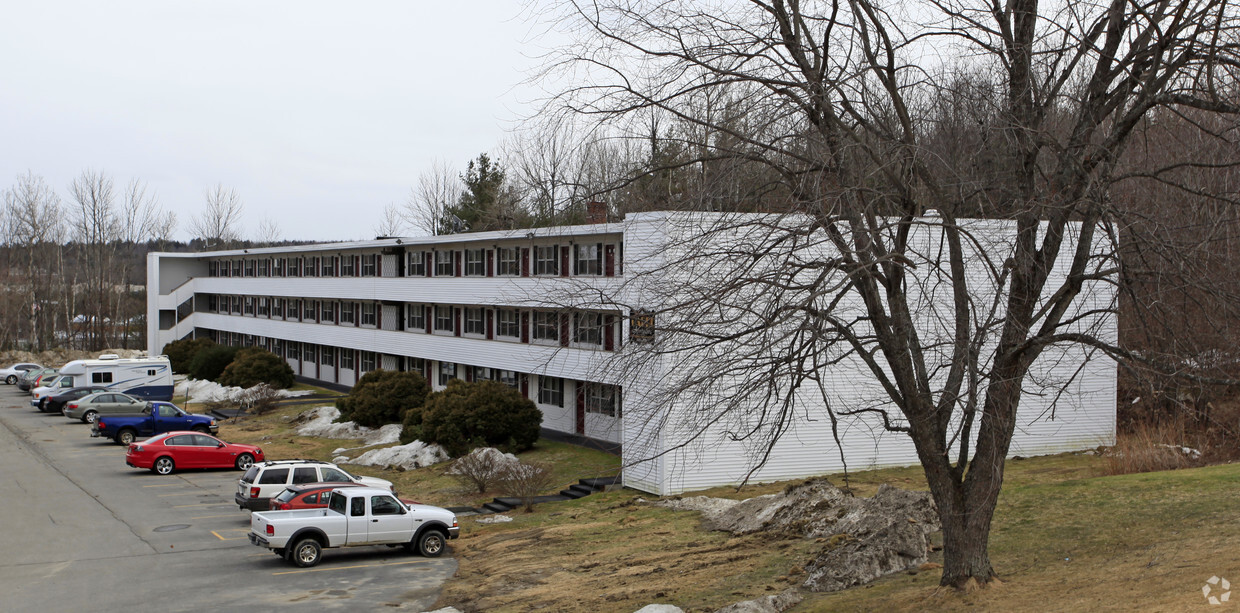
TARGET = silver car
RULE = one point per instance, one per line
(89, 408)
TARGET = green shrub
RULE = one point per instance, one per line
(382, 397)
(479, 414)
(254, 365)
(210, 362)
(181, 353)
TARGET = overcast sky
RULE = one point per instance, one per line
(318, 113)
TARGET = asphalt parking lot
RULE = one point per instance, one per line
(83, 531)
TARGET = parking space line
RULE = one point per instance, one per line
(245, 534)
(202, 504)
(236, 515)
(315, 570)
(194, 493)
(164, 485)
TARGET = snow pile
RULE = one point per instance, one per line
(321, 421)
(384, 435)
(405, 457)
(494, 519)
(483, 461)
(210, 391)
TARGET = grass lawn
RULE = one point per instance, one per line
(1065, 538)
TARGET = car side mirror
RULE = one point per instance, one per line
(219, 445)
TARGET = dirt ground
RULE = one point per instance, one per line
(55, 358)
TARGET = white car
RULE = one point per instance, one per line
(50, 387)
(265, 480)
(12, 373)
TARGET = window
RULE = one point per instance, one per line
(335, 475)
(368, 361)
(294, 267)
(346, 266)
(443, 264)
(264, 307)
(384, 505)
(368, 314)
(416, 317)
(305, 475)
(447, 372)
(274, 475)
(328, 356)
(475, 320)
(417, 265)
(292, 350)
(249, 305)
(479, 373)
(547, 260)
(213, 303)
(588, 328)
(546, 325)
(507, 377)
(236, 268)
(641, 326)
(277, 307)
(508, 262)
(475, 262)
(277, 267)
(236, 304)
(508, 323)
(588, 260)
(310, 310)
(369, 266)
(150, 372)
(346, 359)
(307, 352)
(602, 399)
(249, 268)
(100, 377)
(312, 267)
(213, 269)
(443, 319)
(264, 267)
(357, 507)
(551, 391)
(346, 312)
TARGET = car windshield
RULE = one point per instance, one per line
(49, 382)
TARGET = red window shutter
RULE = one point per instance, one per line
(525, 261)
(428, 262)
(490, 262)
(490, 324)
(609, 260)
(525, 384)
(456, 263)
(469, 374)
(581, 406)
(318, 312)
(429, 315)
(379, 316)
(379, 265)
(357, 314)
(525, 326)
(609, 333)
(564, 260)
(564, 329)
(456, 320)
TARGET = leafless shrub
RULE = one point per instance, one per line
(481, 468)
(1149, 448)
(258, 399)
(525, 481)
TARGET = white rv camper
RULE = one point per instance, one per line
(140, 377)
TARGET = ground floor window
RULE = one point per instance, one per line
(551, 391)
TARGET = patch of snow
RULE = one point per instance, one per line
(494, 519)
(414, 455)
(660, 608)
(321, 421)
(484, 457)
(210, 391)
(1188, 451)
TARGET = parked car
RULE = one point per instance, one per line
(11, 374)
(311, 496)
(264, 480)
(31, 379)
(171, 451)
(89, 408)
(50, 387)
(56, 403)
(158, 417)
(354, 516)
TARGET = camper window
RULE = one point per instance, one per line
(100, 377)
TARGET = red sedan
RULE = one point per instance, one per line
(167, 452)
(310, 496)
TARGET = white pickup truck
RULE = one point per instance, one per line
(354, 516)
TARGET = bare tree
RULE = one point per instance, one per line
(268, 232)
(219, 224)
(32, 226)
(391, 223)
(829, 102)
(438, 188)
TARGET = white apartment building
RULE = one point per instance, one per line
(547, 311)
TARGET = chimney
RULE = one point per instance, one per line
(596, 212)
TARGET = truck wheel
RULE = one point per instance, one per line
(164, 466)
(245, 461)
(89, 417)
(200, 429)
(125, 437)
(431, 543)
(306, 553)
(11, 379)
